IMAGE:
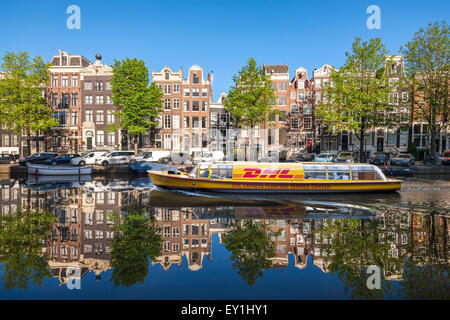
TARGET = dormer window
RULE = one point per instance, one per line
(166, 76)
(195, 79)
(64, 60)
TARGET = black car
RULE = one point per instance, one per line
(8, 158)
(380, 159)
(62, 159)
(38, 158)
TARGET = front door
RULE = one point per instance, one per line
(380, 144)
(89, 143)
(345, 142)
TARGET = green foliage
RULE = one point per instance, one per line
(412, 149)
(22, 105)
(427, 57)
(139, 104)
(137, 239)
(250, 248)
(357, 97)
(354, 246)
(22, 234)
(251, 99)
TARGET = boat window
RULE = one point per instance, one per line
(221, 171)
(193, 173)
(366, 173)
(314, 172)
(338, 172)
(203, 170)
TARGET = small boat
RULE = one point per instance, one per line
(394, 171)
(250, 177)
(39, 169)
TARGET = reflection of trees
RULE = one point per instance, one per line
(22, 234)
(250, 248)
(354, 245)
(426, 271)
(137, 238)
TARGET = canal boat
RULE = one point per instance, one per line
(38, 169)
(250, 177)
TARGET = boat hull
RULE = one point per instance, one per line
(181, 182)
(36, 169)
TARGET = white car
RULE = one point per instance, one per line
(152, 155)
(87, 159)
(210, 156)
(115, 157)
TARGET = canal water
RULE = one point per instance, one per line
(126, 239)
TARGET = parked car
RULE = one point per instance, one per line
(380, 158)
(8, 158)
(446, 157)
(210, 156)
(115, 157)
(325, 157)
(403, 159)
(39, 158)
(89, 158)
(303, 157)
(344, 157)
(62, 159)
(151, 155)
(177, 158)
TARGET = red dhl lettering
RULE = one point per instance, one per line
(267, 173)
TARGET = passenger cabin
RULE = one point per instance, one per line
(286, 171)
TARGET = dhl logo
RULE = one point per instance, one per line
(254, 173)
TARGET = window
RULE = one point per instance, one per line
(100, 114)
(318, 97)
(195, 122)
(108, 85)
(109, 100)
(87, 85)
(282, 116)
(176, 88)
(309, 94)
(100, 138)
(89, 115)
(98, 85)
(295, 123)
(167, 141)
(186, 92)
(195, 92)
(301, 96)
(65, 100)
(204, 106)
(176, 122)
(176, 140)
(74, 117)
(64, 81)
(204, 122)
(204, 92)
(186, 122)
(88, 99)
(167, 88)
(110, 116)
(167, 123)
(282, 86)
(74, 99)
(54, 81)
(54, 99)
(195, 80)
(318, 83)
(405, 96)
(307, 123)
(186, 105)
(195, 106)
(282, 100)
(176, 103)
(98, 99)
(307, 109)
(312, 172)
(274, 85)
(294, 108)
(166, 104)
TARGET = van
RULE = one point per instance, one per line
(210, 156)
(115, 157)
(152, 155)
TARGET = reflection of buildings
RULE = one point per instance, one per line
(83, 233)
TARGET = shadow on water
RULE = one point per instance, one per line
(121, 233)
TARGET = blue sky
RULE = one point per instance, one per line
(218, 35)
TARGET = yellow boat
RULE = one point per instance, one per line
(240, 177)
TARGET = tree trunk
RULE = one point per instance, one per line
(361, 145)
(37, 141)
(29, 142)
(135, 140)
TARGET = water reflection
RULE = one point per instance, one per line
(127, 227)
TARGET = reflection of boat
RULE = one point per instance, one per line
(39, 169)
(108, 186)
(55, 182)
(142, 184)
(144, 166)
(256, 209)
(241, 177)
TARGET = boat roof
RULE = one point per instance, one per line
(271, 164)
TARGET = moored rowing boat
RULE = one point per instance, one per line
(39, 169)
(250, 177)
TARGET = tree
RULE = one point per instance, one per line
(251, 99)
(22, 234)
(137, 239)
(358, 95)
(427, 58)
(23, 107)
(251, 249)
(138, 103)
